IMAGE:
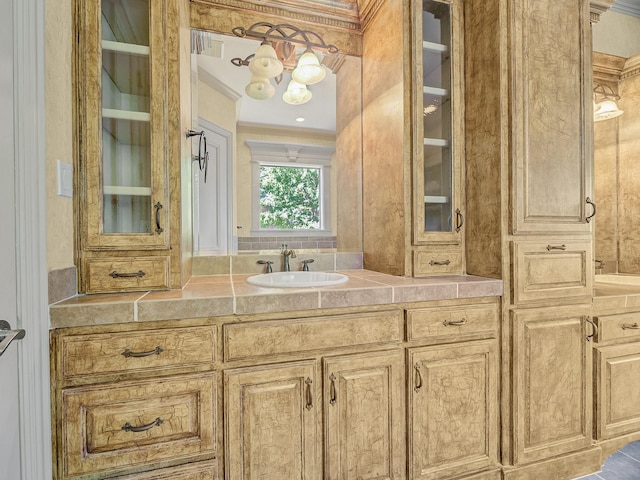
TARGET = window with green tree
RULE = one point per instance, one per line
(291, 188)
(289, 197)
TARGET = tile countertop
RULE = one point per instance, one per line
(219, 295)
(608, 297)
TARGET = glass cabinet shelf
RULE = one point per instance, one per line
(436, 142)
(435, 47)
(437, 91)
(109, 45)
(435, 199)
(133, 191)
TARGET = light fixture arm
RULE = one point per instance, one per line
(284, 32)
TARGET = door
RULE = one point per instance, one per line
(453, 405)
(364, 419)
(212, 189)
(9, 399)
(25, 438)
(552, 400)
(271, 422)
(551, 105)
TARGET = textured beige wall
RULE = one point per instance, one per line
(59, 130)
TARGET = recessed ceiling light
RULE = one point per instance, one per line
(300, 119)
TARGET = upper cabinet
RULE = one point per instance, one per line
(439, 146)
(123, 148)
(413, 143)
(551, 108)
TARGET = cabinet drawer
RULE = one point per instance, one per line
(137, 423)
(250, 340)
(437, 262)
(107, 353)
(551, 270)
(192, 471)
(430, 323)
(614, 327)
(617, 384)
(127, 274)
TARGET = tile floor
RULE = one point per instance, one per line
(622, 465)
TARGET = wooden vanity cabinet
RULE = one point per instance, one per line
(413, 196)
(131, 401)
(617, 369)
(551, 382)
(272, 416)
(452, 385)
(127, 153)
(453, 410)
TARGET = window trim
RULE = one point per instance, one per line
(291, 155)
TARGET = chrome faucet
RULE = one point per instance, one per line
(286, 254)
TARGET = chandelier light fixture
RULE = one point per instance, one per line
(276, 55)
(605, 104)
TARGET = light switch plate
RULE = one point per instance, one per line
(65, 179)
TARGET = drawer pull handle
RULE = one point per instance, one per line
(556, 247)
(593, 213)
(127, 427)
(158, 207)
(138, 274)
(418, 378)
(128, 353)
(332, 390)
(435, 262)
(631, 326)
(595, 329)
(455, 323)
(309, 395)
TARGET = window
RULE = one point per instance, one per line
(290, 188)
(289, 197)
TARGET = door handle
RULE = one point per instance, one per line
(7, 335)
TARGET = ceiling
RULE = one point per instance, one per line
(628, 7)
(319, 113)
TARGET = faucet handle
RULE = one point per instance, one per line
(268, 264)
(305, 264)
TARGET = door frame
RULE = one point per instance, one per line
(31, 264)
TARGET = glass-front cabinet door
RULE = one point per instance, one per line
(123, 158)
(439, 122)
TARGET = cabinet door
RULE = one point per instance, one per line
(439, 134)
(617, 378)
(551, 382)
(121, 123)
(551, 107)
(364, 416)
(271, 422)
(453, 409)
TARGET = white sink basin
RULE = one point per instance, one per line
(297, 279)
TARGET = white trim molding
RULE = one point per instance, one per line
(30, 184)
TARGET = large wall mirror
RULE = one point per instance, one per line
(276, 150)
(616, 57)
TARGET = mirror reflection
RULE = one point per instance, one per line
(272, 156)
(616, 67)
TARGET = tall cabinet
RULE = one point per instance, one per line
(528, 169)
(127, 150)
(413, 205)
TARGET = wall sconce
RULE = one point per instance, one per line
(276, 54)
(604, 103)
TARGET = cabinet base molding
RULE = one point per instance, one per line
(566, 467)
(490, 475)
(612, 445)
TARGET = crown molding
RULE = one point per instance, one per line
(607, 68)
(628, 7)
(598, 7)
